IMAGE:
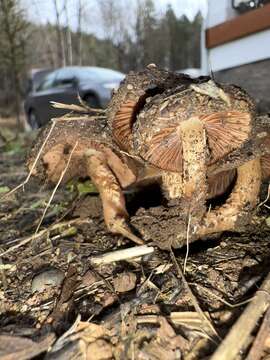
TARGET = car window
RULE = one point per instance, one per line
(64, 77)
(47, 82)
(99, 74)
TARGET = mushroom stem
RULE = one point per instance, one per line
(237, 208)
(194, 155)
(191, 182)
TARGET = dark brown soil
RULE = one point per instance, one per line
(138, 322)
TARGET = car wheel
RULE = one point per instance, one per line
(92, 101)
(33, 120)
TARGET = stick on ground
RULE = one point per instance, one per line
(125, 254)
(241, 330)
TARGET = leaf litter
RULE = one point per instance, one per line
(59, 298)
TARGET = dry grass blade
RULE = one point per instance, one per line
(3, 275)
(191, 320)
(195, 303)
(267, 197)
(211, 293)
(187, 244)
(240, 332)
(56, 187)
(42, 233)
(34, 164)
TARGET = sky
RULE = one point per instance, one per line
(43, 11)
(187, 7)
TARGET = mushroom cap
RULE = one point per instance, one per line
(226, 112)
(131, 97)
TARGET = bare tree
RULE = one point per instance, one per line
(68, 34)
(79, 32)
(46, 36)
(13, 32)
(116, 23)
(60, 36)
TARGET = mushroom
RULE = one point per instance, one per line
(133, 93)
(196, 137)
(185, 133)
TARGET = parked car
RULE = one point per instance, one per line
(93, 84)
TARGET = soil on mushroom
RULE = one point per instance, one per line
(221, 270)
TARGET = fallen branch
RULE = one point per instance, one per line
(125, 254)
(256, 351)
(237, 338)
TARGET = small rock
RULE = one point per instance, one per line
(267, 220)
(47, 278)
(130, 87)
(125, 282)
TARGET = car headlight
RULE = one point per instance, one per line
(111, 86)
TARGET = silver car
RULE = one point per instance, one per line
(93, 84)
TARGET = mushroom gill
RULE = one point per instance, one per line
(122, 124)
(165, 150)
(226, 131)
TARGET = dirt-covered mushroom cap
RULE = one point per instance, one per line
(131, 97)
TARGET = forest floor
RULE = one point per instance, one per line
(59, 299)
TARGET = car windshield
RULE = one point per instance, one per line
(99, 74)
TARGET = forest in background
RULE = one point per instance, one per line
(130, 41)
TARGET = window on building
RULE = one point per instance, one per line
(246, 5)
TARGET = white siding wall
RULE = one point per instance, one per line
(242, 51)
(249, 49)
(219, 11)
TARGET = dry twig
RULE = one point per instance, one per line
(125, 254)
(257, 348)
(237, 338)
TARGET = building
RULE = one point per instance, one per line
(236, 46)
